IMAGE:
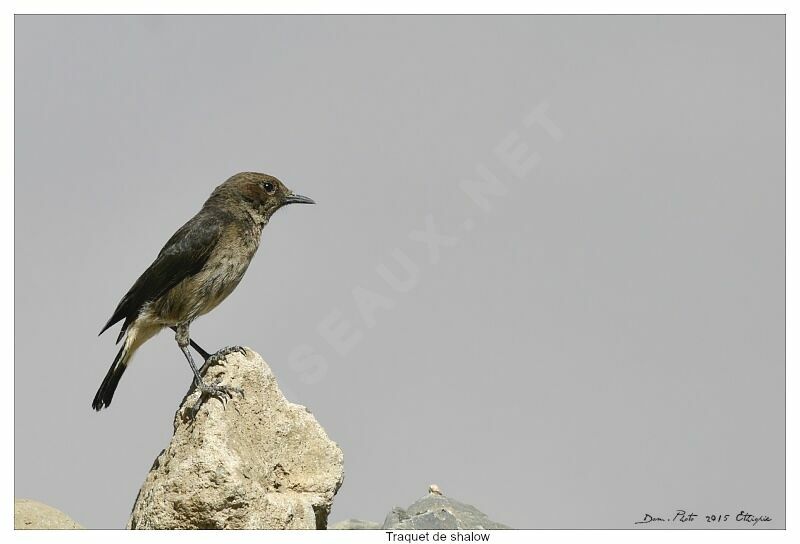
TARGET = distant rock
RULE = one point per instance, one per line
(30, 514)
(355, 524)
(436, 511)
(260, 462)
(433, 511)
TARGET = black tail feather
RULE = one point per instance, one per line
(106, 392)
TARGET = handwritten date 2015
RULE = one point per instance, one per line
(716, 518)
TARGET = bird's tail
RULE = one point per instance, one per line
(133, 339)
(109, 385)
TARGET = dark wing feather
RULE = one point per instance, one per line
(184, 255)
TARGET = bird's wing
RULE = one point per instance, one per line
(184, 255)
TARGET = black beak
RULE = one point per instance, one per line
(298, 199)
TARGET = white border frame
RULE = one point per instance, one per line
(421, 7)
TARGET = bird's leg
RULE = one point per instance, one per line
(221, 392)
(213, 358)
(203, 353)
(220, 355)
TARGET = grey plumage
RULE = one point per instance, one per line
(200, 265)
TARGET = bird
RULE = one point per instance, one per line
(198, 267)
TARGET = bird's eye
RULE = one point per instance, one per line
(269, 187)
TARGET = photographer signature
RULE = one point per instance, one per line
(683, 516)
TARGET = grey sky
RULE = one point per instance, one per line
(606, 340)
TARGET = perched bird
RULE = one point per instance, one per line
(197, 269)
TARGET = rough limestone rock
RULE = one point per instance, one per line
(30, 514)
(260, 462)
(435, 511)
(355, 524)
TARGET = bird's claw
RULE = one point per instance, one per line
(223, 393)
(220, 355)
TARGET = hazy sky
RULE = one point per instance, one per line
(545, 271)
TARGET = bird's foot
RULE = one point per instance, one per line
(223, 393)
(220, 355)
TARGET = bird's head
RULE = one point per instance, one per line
(260, 195)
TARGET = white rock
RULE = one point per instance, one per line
(260, 462)
(30, 514)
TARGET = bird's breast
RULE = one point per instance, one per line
(204, 291)
(222, 273)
